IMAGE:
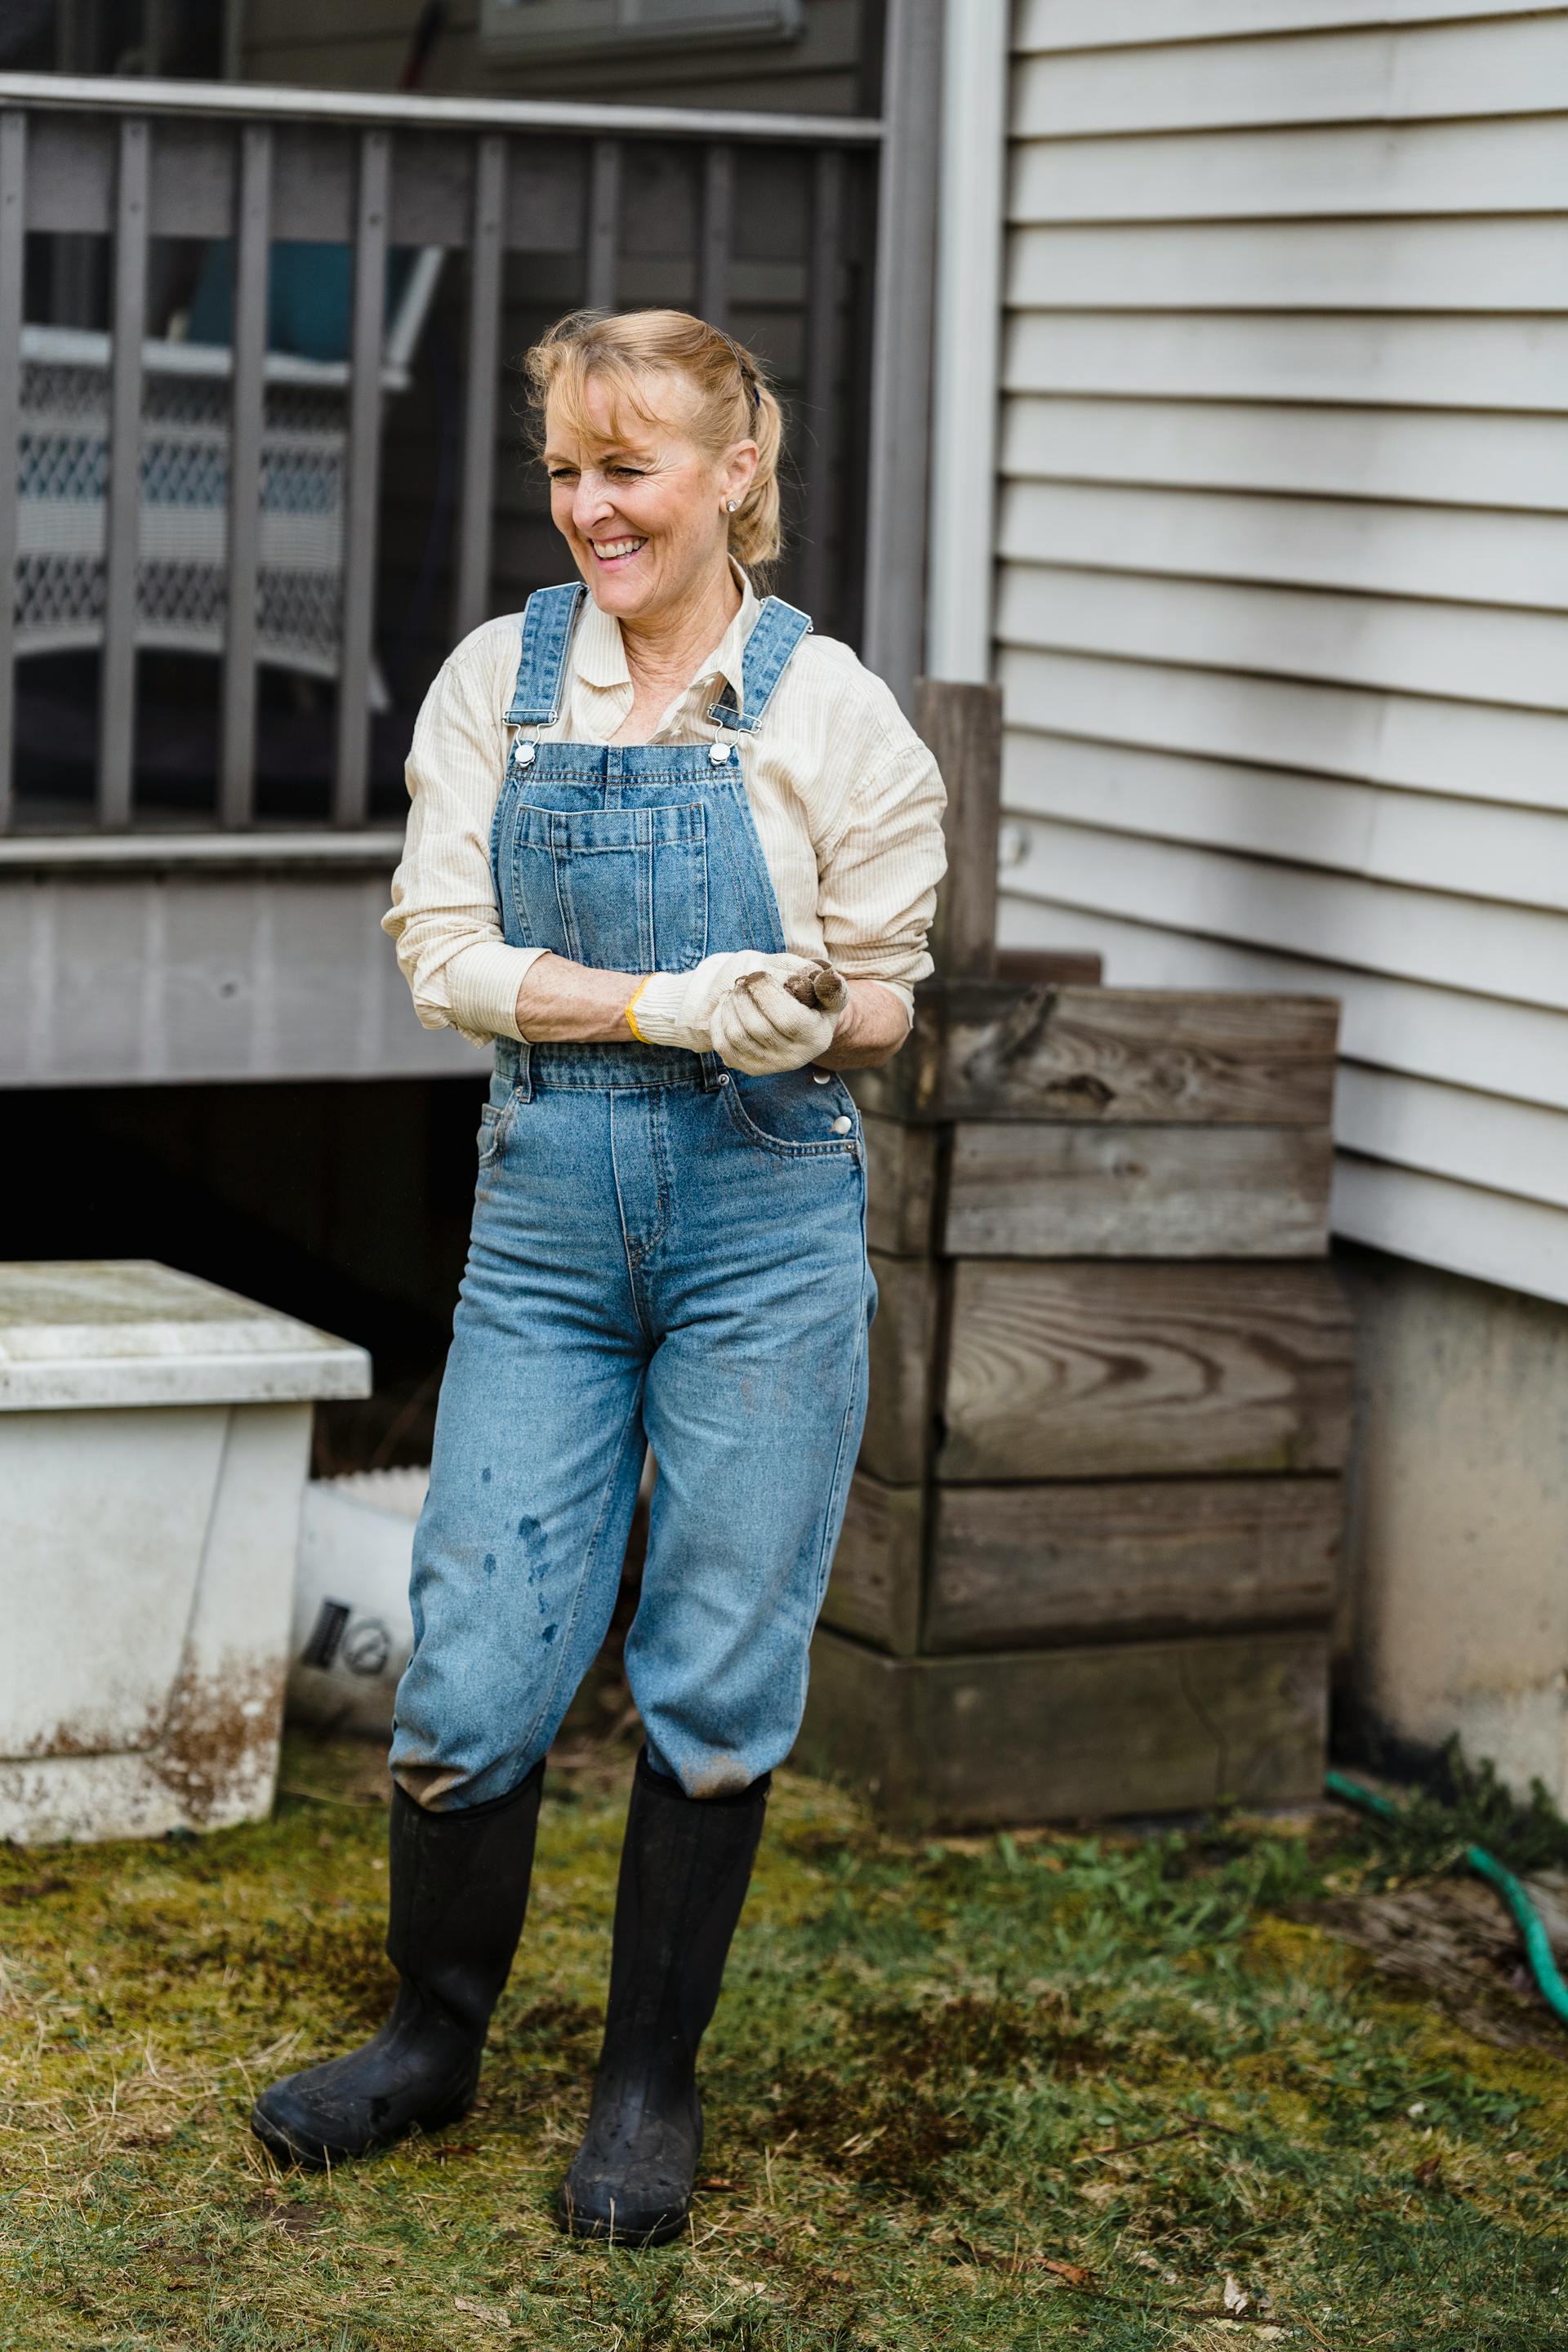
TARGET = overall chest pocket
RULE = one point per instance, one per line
(624, 889)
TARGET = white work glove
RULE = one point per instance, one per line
(767, 1021)
(675, 1008)
(760, 1013)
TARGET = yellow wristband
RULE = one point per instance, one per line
(631, 1025)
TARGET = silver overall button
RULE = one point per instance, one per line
(822, 1077)
(842, 1126)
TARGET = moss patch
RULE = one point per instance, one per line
(998, 2092)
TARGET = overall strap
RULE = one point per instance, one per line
(548, 620)
(779, 629)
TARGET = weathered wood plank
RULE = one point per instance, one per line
(961, 724)
(898, 1440)
(875, 1589)
(1099, 1370)
(1034, 1190)
(362, 476)
(985, 1049)
(1146, 1728)
(1058, 967)
(901, 1185)
(1012, 1565)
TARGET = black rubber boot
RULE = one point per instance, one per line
(684, 1868)
(459, 1891)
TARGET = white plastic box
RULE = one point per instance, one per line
(154, 1442)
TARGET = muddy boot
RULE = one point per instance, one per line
(458, 1895)
(684, 1872)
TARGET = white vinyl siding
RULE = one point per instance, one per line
(1282, 604)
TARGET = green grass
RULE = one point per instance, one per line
(937, 2071)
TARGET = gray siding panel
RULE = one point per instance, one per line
(1283, 541)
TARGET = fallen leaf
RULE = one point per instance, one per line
(1430, 2174)
(491, 2312)
(1070, 2274)
(718, 2181)
(1235, 2297)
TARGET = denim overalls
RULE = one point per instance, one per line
(665, 1254)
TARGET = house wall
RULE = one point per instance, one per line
(362, 45)
(1283, 543)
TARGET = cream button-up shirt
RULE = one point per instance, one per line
(846, 800)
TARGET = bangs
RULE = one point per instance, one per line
(631, 392)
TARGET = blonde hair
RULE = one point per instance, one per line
(734, 401)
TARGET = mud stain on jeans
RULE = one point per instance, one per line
(722, 1776)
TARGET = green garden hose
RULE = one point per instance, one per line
(1537, 1947)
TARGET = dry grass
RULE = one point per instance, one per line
(988, 2093)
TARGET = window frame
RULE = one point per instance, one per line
(521, 31)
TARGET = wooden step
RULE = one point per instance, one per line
(1069, 1734)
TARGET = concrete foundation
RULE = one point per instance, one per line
(1455, 1616)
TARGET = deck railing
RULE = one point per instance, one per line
(260, 473)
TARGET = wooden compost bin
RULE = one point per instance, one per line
(1091, 1547)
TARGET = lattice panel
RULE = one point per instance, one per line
(181, 587)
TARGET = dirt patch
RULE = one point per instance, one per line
(909, 2106)
(1453, 1937)
(337, 1967)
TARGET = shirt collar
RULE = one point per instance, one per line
(599, 658)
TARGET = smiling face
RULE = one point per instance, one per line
(640, 503)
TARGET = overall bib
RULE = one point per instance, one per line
(665, 1254)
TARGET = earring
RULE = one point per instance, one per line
(732, 505)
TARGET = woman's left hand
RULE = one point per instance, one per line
(763, 1025)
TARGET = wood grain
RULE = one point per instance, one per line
(1015, 1566)
(1146, 1728)
(901, 1185)
(898, 1439)
(1109, 1371)
(875, 1588)
(989, 1049)
(1030, 1189)
(1057, 967)
(961, 724)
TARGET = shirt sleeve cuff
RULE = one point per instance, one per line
(484, 980)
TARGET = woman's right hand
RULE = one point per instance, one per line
(678, 1008)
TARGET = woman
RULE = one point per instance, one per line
(677, 857)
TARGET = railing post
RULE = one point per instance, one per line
(718, 223)
(13, 234)
(604, 224)
(819, 442)
(902, 308)
(351, 787)
(961, 724)
(122, 506)
(253, 226)
(473, 579)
